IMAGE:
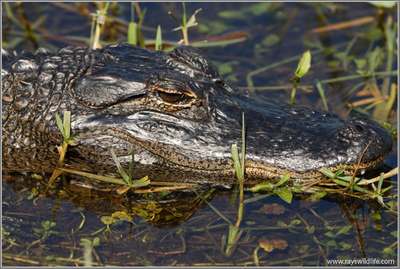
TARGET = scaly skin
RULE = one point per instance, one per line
(175, 112)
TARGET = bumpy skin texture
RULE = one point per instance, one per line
(174, 111)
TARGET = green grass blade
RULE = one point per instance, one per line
(158, 45)
(144, 181)
(60, 125)
(131, 164)
(235, 158)
(121, 170)
(67, 124)
(132, 33)
(321, 92)
(355, 187)
(327, 172)
(106, 179)
(285, 178)
(380, 182)
(219, 43)
(184, 15)
(141, 40)
(243, 153)
(234, 234)
(216, 211)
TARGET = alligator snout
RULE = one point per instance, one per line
(364, 134)
(298, 140)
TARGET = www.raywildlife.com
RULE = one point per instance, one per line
(362, 261)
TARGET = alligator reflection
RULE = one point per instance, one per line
(159, 208)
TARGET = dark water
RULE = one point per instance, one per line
(183, 229)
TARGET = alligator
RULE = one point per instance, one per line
(175, 112)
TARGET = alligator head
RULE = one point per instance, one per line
(176, 112)
(177, 115)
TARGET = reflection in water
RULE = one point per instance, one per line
(185, 227)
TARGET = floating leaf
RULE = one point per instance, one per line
(121, 215)
(281, 224)
(316, 196)
(270, 245)
(270, 40)
(107, 220)
(376, 216)
(262, 186)
(266, 245)
(295, 222)
(344, 230)
(310, 229)
(331, 243)
(225, 69)
(96, 241)
(330, 234)
(272, 209)
(345, 246)
(215, 27)
(285, 194)
(388, 251)
(231, 14)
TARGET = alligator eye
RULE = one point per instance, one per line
(173, 98)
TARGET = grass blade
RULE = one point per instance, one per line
(67, 124)
(235, 158)
(158, 45)
(60, 124)
(321, 92)
(243, 153)
(144, 181)
(106, 179)
(132, 33)
(121, 170)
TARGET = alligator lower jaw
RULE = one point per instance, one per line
(255, 172)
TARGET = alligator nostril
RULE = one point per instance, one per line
(219, 82)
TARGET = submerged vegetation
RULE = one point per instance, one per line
(362, 68)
